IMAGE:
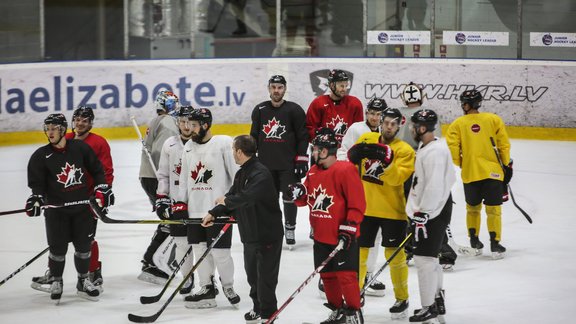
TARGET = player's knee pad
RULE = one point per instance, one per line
(474, 209)
(165, 256)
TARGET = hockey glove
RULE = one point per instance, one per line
(374, 151)
(180, 210)
(104, 195)
(163, 206)
(347, 234)
(419, 221)
(301, 166)
(34, 205)
(508, 171)
(295, 191)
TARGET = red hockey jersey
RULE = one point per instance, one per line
(323, 112)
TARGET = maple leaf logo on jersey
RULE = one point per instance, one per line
(321, 200)
(373, 172)
(274, 129)
(70, 175)
(178, 167)
(201, 174)
(338, 125)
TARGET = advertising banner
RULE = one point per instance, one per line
(524, 93)
(398, 37)
(475, 38)
(553, 39)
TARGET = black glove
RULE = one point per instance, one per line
(373, 151)
(104, 195)
(180, 210)
(508, 171)
(301, 166)
(347, 234)
(419, 221)
(295, 191)
(163, 206)
(34, 205)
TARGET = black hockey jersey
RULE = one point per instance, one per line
(280, 133)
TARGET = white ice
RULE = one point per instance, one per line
(534, 283)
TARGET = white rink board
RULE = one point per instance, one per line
(524, 93)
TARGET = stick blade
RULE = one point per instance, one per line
(149, 299)
(143, 319)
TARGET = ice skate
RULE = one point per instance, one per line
(290, 236)
(252, 317)
(498, 251)
(428, 315)
(233, 298)
(375, 289)
(475, 242)
(336, 316)
(87, 290)
(152, 274)
(56, 289)
(43, 283)
(399, 309)
(96, 278)
(204, 298)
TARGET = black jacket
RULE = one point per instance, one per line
(253, 201)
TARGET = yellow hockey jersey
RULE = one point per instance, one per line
(384, 188)
(468, 139)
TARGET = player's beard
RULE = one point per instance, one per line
(276, 98)
(198, 137)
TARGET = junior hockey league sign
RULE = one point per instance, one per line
(524, 93)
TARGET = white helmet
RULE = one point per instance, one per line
(412, 94)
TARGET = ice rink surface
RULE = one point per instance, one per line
(534, 283)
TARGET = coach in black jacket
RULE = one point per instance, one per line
(253, 200)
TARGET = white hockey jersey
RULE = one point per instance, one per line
(169, 167)
(434, 176)
(207, 173)
(352, 135)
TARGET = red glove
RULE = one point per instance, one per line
(180, 210)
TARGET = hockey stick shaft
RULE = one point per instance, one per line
(24, 266)
(332, 254)
(194, 221)
(154, 317)
(528, 218)
(154, 299)
(144, 148)
(71, 203)
(377, 273)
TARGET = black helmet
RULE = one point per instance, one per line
(277, 79)
(326, 138)
(337, 75)
(472, 97)
(377, 104)
(425, 117)
(394, 114)
(185, 111)
(84, 112)
(203, 115)
(412, 94)
(56, 119)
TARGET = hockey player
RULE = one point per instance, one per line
(336, 110)
(385, 163)
(374, 111)
(159, 129)
(168, 187)
(56, 175)
(82, 120)
(279, 130)
(253, 202)
(429, 208)
(413, 98)
(334, 194)
(208, 169)
(469, 139)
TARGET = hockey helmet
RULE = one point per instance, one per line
(337, 75)
(203, 115)
(377, 104)
(185, 111)
(277, 79)
(56, 119)
(84, 112)
(412, 94)
(471, 97)
(326, 138)
(166, 101)
(425, 117)
(394, 113)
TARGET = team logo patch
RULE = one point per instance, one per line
(373, 171)
(200, 174)
(322, 201)
(475, 128)
(177, 168)
(319, 81)
(338, 125)
(274, 129)
(70, 175)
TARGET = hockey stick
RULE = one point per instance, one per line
(24, 266)
(190, 221)
(144, 148)
(465, 250)
(528, 218)
(153, 299)
(71, 203)
(377, 273)
(154, 317)
(332, 254)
